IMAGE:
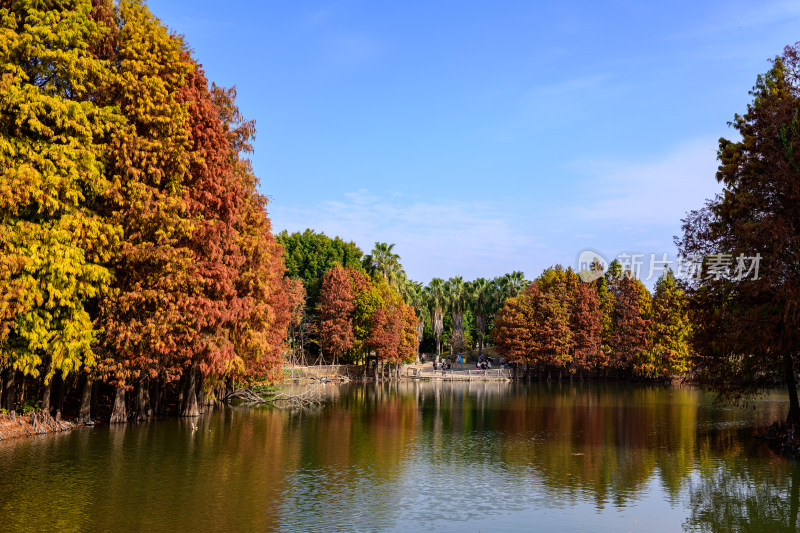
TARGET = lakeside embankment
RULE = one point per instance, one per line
(13, 425)
(423, 371)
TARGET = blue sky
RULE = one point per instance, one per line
(485, 137)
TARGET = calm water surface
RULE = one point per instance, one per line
(418, 457)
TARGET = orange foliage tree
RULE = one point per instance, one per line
(533, 329)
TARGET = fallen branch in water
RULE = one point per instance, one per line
(247, 396)
(309, 397)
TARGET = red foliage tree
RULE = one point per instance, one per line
(296, 295)
(145, 331)
(385, 334)
(513, 329)
(747, 325)
(199, 288)
(533, 328)
(335, 308)
(392, 333)
(586, 322)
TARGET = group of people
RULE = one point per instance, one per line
(446, 364)
(483, 363)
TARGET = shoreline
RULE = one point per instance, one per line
(783, 439)
(13, 425)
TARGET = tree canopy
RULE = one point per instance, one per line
(310, 255)
(135, 247)
(748, 323)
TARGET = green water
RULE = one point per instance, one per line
(417, 457)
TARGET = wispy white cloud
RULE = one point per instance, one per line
(745, 16)
(582, 84)
(616, 205)
(636, 206)
(434, 238)
(655, 191)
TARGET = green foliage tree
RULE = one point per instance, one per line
(310, 255)
(416, 297)
(480, 299)
(436, 298)
(456, 292)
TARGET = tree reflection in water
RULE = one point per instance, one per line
(742, 498)
(419, 456)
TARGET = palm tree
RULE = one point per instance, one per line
(500, 290)
(436, 299)
(385, 264)
(456, 295)
(480, 294)
(516, 283)
(415, 296)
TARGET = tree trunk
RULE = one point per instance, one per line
(229, 385)
(189, 408)
(791, 384)
(46, 396)
(22, 397)
(63, 386)
(119, 415)
(48, 387)
(85, 414)
(182, 390)
(9, 389)
(161, 384)
(201, 402)
(143, 409)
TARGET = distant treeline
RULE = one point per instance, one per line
(609, 327)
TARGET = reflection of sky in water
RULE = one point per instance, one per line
(421, 457)
(460, 483)
(473, 494)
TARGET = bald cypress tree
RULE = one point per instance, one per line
(55, 244)
(748, 326)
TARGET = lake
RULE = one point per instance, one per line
(418, 456)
